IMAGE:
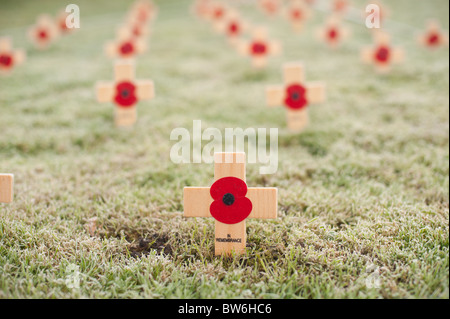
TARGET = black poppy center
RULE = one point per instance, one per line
(228, 199)
(295, 96)
(125, 94)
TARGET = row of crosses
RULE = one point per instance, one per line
(131, 40)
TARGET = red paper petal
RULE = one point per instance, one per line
(231, 185)
(233, 214)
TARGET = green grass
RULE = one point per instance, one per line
(365, 186)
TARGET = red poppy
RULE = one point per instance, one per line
(333, 34)
(230, 206)
(296, 97)
(6, 61)
(137, 31)
(258, 48)
(63, 26)
(219, 13)
(125, 94)
(126, 49)
(234, 28)
(297, 14)
(42, 34)
(383, 54)
(434, 39)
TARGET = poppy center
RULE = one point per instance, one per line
(332, 34)
(297, 14)
(383, 54)
(296, 96)
(5, 60)
(433, 39)
(125, 93)
(234, 28)
(228, 199)
(259, 48)
(127, 48)
(42, 34)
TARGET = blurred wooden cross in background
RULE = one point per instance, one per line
(259, 48)
(9, 58)
(6, 188)
(230, 202)
(125, 92)
(296, 96)
(433, 37)
(382, 55)
(44, 32)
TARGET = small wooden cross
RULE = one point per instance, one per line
(125, 92)
(44, 32)
(259, 48)
(270, 7)
(61, 23)
(9, 58)
(232, 26)
(230, 203)
(127, 46)
(6, 188)
(382, 55)
(340, 6)
(216, 12)
(433, 37)
(142, 12)
(296, 96)
(333, 33)
(298, 12)
(201, 8)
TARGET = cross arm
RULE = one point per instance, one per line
(316, 92)
(145, 90)
(105, 91)
(197, 201)
(265, 202)
(275, 95)
(6, 188)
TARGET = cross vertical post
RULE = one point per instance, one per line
(6, 188)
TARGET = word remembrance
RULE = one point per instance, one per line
(230, 202)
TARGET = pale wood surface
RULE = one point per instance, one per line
(197, 201)
(105, 91)
(125, 116)
(293, 73)
(264, 201)
(275, 95)
(6, 188)
(124, 71)
(5, 44)
(297, 120)
(316, 92)
(145, 90)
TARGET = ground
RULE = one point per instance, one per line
(363, 191)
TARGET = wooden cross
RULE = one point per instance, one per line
(296, 96)
(216, 12)
(61, 23)
(333, 33)
(340, 6)
(142, 12)
(382, 55)
(259, 48)
(127, 46)
(9, 58)
(434, 37)
(232, 26)
(230, 203)
(270, 7)
(201, 8)
(44, 32)
(6, 188)
(298, 12)
(125, 92)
